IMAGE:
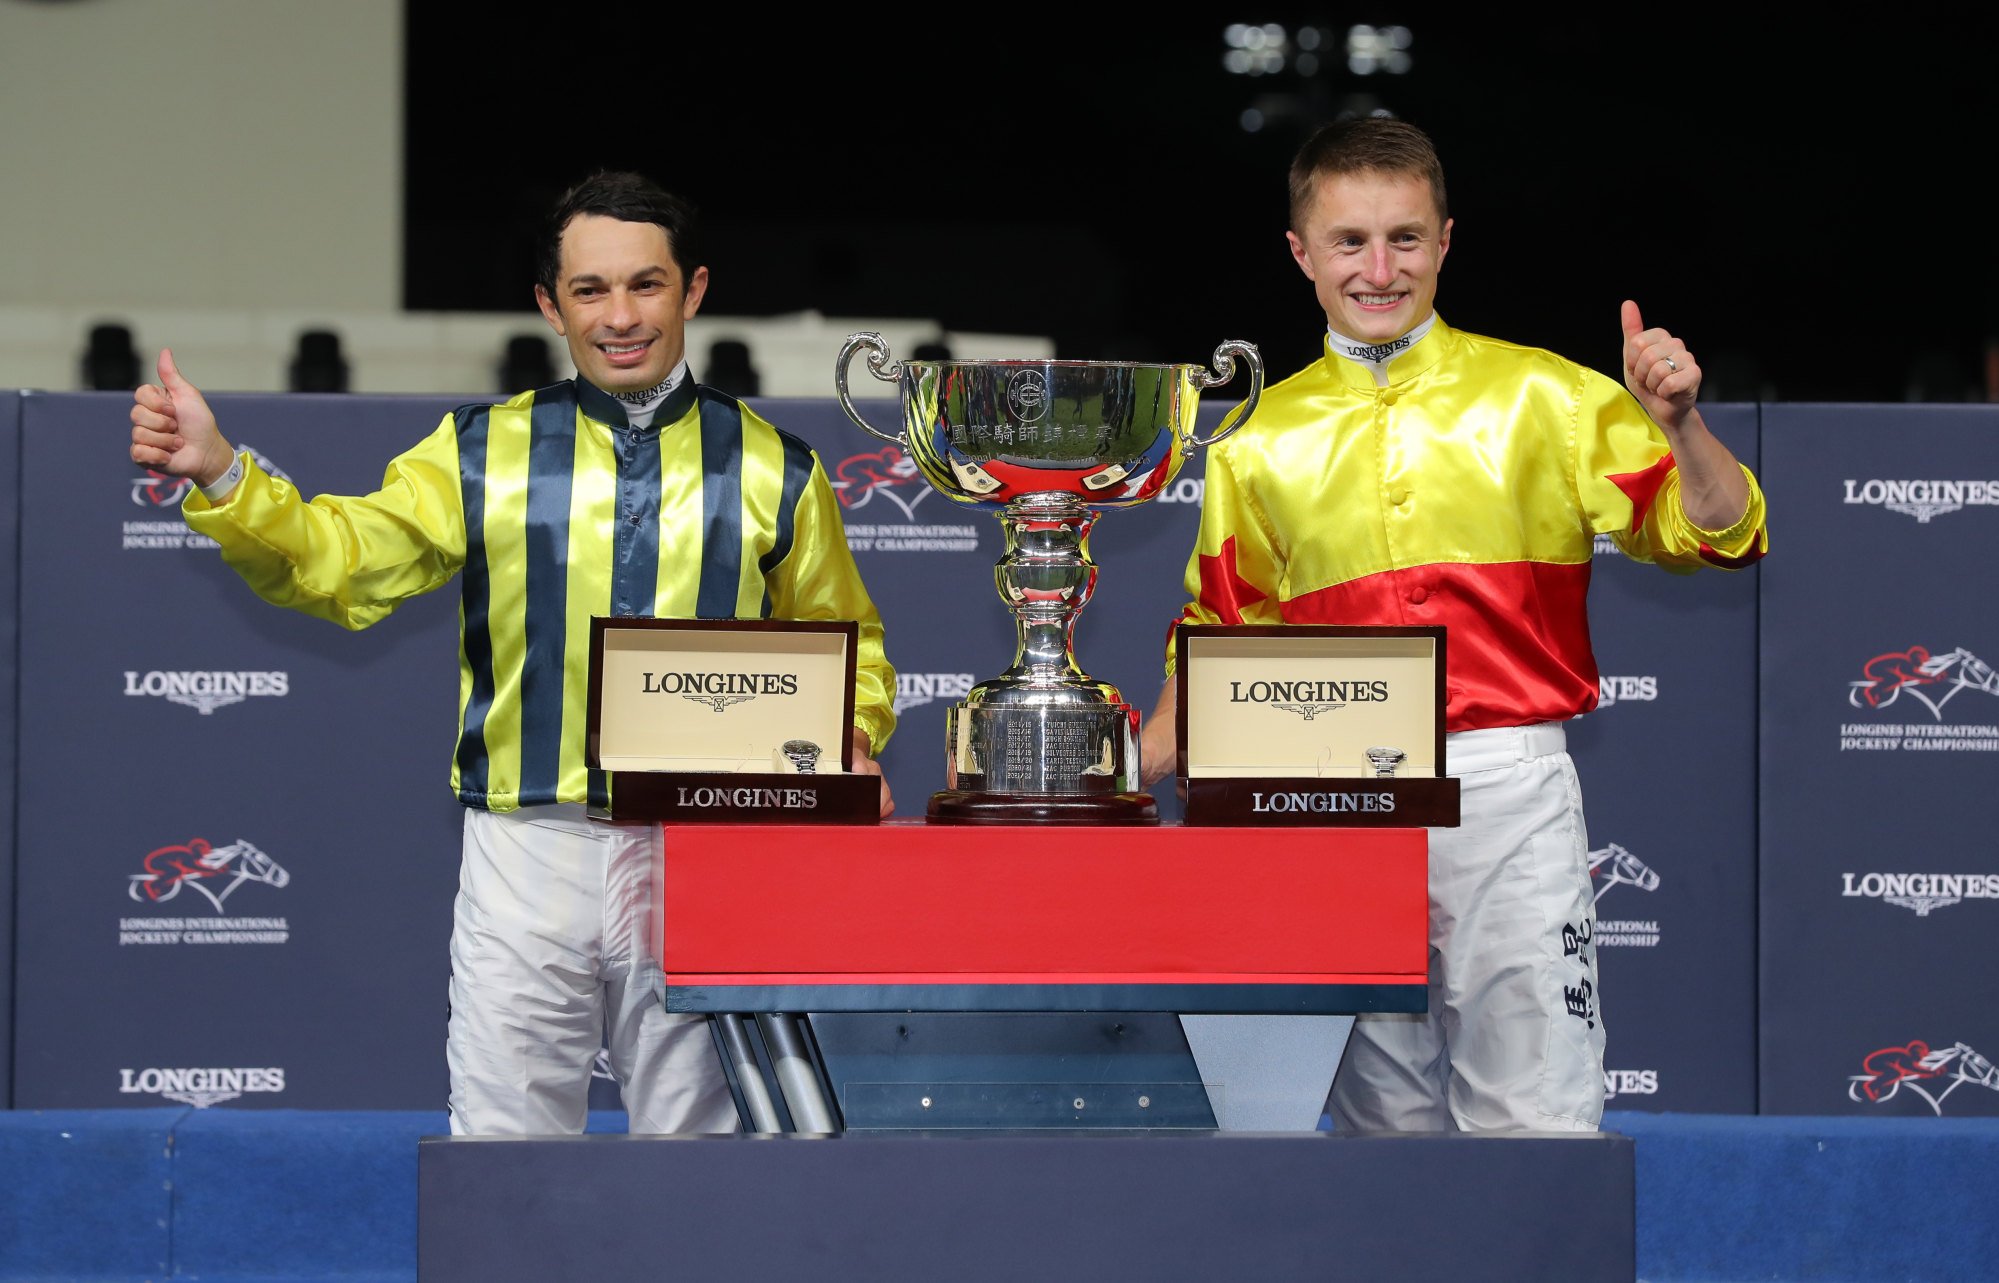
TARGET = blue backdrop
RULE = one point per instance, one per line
(10, 561)
(1668, 767)
(165, 714)
(1880, 753)
(315, 957)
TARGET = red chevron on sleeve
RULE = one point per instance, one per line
(1642, 487)
(1224, 591)
(1750, 558)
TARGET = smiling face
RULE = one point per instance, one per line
(620, 302)
(1372, 245)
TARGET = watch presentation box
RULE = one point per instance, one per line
(727, 721)
(1313, 724)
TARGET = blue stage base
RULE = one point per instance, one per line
(1844, 1200)
(1172, 1207)
(240, 1195)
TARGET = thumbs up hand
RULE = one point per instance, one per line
(174, 431)
(1659, 370)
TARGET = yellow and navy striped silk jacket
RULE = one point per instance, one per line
(553, 509)
(1467, 493)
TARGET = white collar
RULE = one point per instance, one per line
(1376, 356)
(642, 405)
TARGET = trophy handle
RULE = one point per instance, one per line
(883, 367)
(1224, 363)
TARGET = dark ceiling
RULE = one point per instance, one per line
(1805, 205)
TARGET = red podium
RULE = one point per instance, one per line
(907, 916)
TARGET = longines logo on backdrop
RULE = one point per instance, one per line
(889, 477)
(914, 689)
(1923, 499)
(1612, 691)
(153, 489)
(1931, 681)
(1184, 490)
(200, 1087)
(1921, 893)
(213, 873)
(1613, 866)
(206, 691)
(1932, 1074)
(1630, 1082)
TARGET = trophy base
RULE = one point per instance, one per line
(962, 806)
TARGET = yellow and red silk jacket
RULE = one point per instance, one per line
(1467, 493)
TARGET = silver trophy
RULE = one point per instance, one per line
(1046, 445)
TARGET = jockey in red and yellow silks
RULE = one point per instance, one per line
(1465, 492)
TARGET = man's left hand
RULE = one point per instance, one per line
(865, 765)
(1659, 370)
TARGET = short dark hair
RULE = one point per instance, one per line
(1365, 144)
(629, 198)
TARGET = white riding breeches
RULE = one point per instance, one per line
(548, 964)
(1513, 1039)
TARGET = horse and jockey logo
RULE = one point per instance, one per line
(214, 872)
(1932, 1074)
(155, 489)
(887, 472)
(1615, 866)
(1931, 679)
